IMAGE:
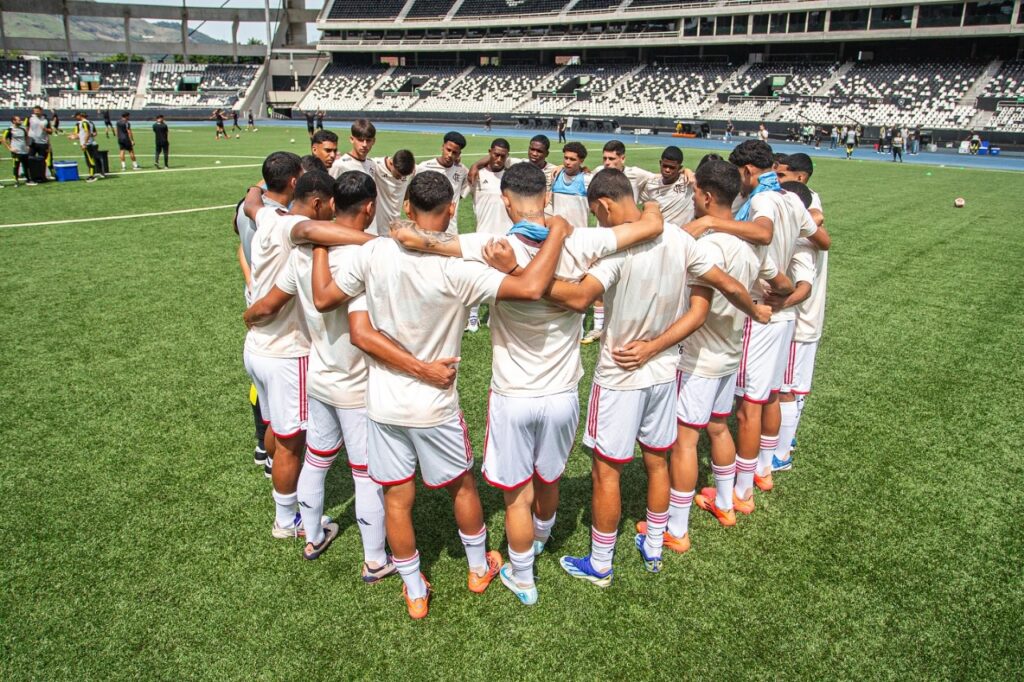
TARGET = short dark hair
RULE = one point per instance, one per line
(279, 168)
(609, 183)
(720, 179)
(799, 163)
(524, 179)
(159, 115)
(799, 189)
(125, 114)
(500, 142)
(312, 163)
(576, 148)
(322, 136)
(352, 189)
(430, 191)
(363, 129)
(709, 157)
(456, 137)
(314, 183)
(404, 161)
(615, 147)
(756, 153)
(672, 153)
(778, 157)
(543, 139)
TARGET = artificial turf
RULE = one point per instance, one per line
(134, 528)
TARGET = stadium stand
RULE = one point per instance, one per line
(487, 89)
(595, 5)
(671, 91)
(342, 88)
(113, 75)
(377, 10)
(1008, 81)
(430, 9)
(1008, 119)
(15, 82)
(488, 8)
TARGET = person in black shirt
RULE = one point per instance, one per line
(218, 116)
(162, 144)
(108, 126)
(234, 120)
(252, 122)
(126, 141)
(319, 119)
(309, 123)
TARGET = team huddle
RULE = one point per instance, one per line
(708, 291)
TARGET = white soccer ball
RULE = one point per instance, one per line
(217, 162)
(292, 140)
(255, 130)
(237, 136)
(959, 202)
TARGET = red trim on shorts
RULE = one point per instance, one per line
(284, 436)
(741, 374)
(679, 382)
(652, 449)
(266, 422)
(398, 482)
(487, 423)
(303, 400)
(607, 458)
(325, 453)
(465, 439)
(787, 377)
(748, 399)
(593, 410)
(692, 426)
(795, 392)
(721, 415)
(448, 482)
(500, 486)
(540, 478)
(357, 467)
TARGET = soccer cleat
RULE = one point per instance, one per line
(372, 576)
(268, 468)
(311, 551)
(527, 595)
(538, 547)
(296, 530)
(792, 444)
(677, 545)
(91, 178)
(418, 608)
(30, 183)
(705, 499)
(473, 327)
(592, 336)
(479, 583)
(765, 482)
(782, 464)
(651, 564)
(580, 567)
(259, 456)
(743, 506)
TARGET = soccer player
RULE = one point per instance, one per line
(614, 156)
(85, 135)
(160, 134)
(533, 409)
(309, 122)
(234, 120)
(126, 140)
(489, 206)
(569, 187)
(16, 142)
(107, 125)
(851, 142)
(324, 146)
(449, 164)
(392, 175)
(218, 117)
(362, 138)
(536, 153)
(276, 354)
(420, 301)
(319, 119)
(776, 219)
(252, 123)
(39, 137)
(672, 189)
(633, 396)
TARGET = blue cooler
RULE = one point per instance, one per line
(994, 151)
(66, 171)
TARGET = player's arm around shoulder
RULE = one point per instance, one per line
(736, 294)
(757, 231)
(327, 233)
(411, 237)
(650, 226)
(440, 373)
(326, 285)
(579, 296)
(635, 354)
(537, 276)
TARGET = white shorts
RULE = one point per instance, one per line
(281, 387)
(330, 427)
(443, 452)
(701, 398)
(763, 363)
(800, 369)
(616, 420)
(529, 437)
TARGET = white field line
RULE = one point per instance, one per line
(117, 217)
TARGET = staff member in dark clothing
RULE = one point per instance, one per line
(126, 140)
(162, 144)
(107, 125)
(234, 120)
(319, 119)
(309, 123)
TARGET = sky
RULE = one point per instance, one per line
(222, 30)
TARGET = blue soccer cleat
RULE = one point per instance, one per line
(538, 547)
(792, 444)
(579, 567)
(527, 595)
(651, 564)
(782, 464)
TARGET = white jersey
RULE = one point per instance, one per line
(675, 199)
(645, 292)
(810, 314)
(420, 301)
(457, 175)
(390, 197)
(285, 336)
(337, 369)
(347, 162)
(714, 349)
(491, 216)
(536, 344)
(638, 177)
(790, 221)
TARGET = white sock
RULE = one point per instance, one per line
(679, 503)
(800, 401)
(725, 480)
(745, 469)
(522, 566)
(602, 549)
(310, 492)
(284, 509)
(598, 318)
(474, 314)
(370, 517)
(790, 417)
(122, 165)
(656, 523)
(476, 550)
(409, 569)
(542, 529)
(769, 444)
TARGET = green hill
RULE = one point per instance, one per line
(19, 25)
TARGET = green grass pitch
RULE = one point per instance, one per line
(134, 529)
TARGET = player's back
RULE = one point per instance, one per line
(285, 335)
(491, 216)
(790, 221)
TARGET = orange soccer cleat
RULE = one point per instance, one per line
(677, 545)
(479, 583)
(418, 608)
(765, 482)
(705, 499)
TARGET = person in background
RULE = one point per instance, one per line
(39, 136)
(252, 122)
(107, 125)
(126, 141)
(16, 141)
(160, 134)
(897, 145)
(55, 122)
(319, 119)
(561, 130)
(234, 120)
(85, 135)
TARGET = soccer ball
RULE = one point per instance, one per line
(255, 130)
(959, 202)
(217, 162)
(237, 136)
(292, 140)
